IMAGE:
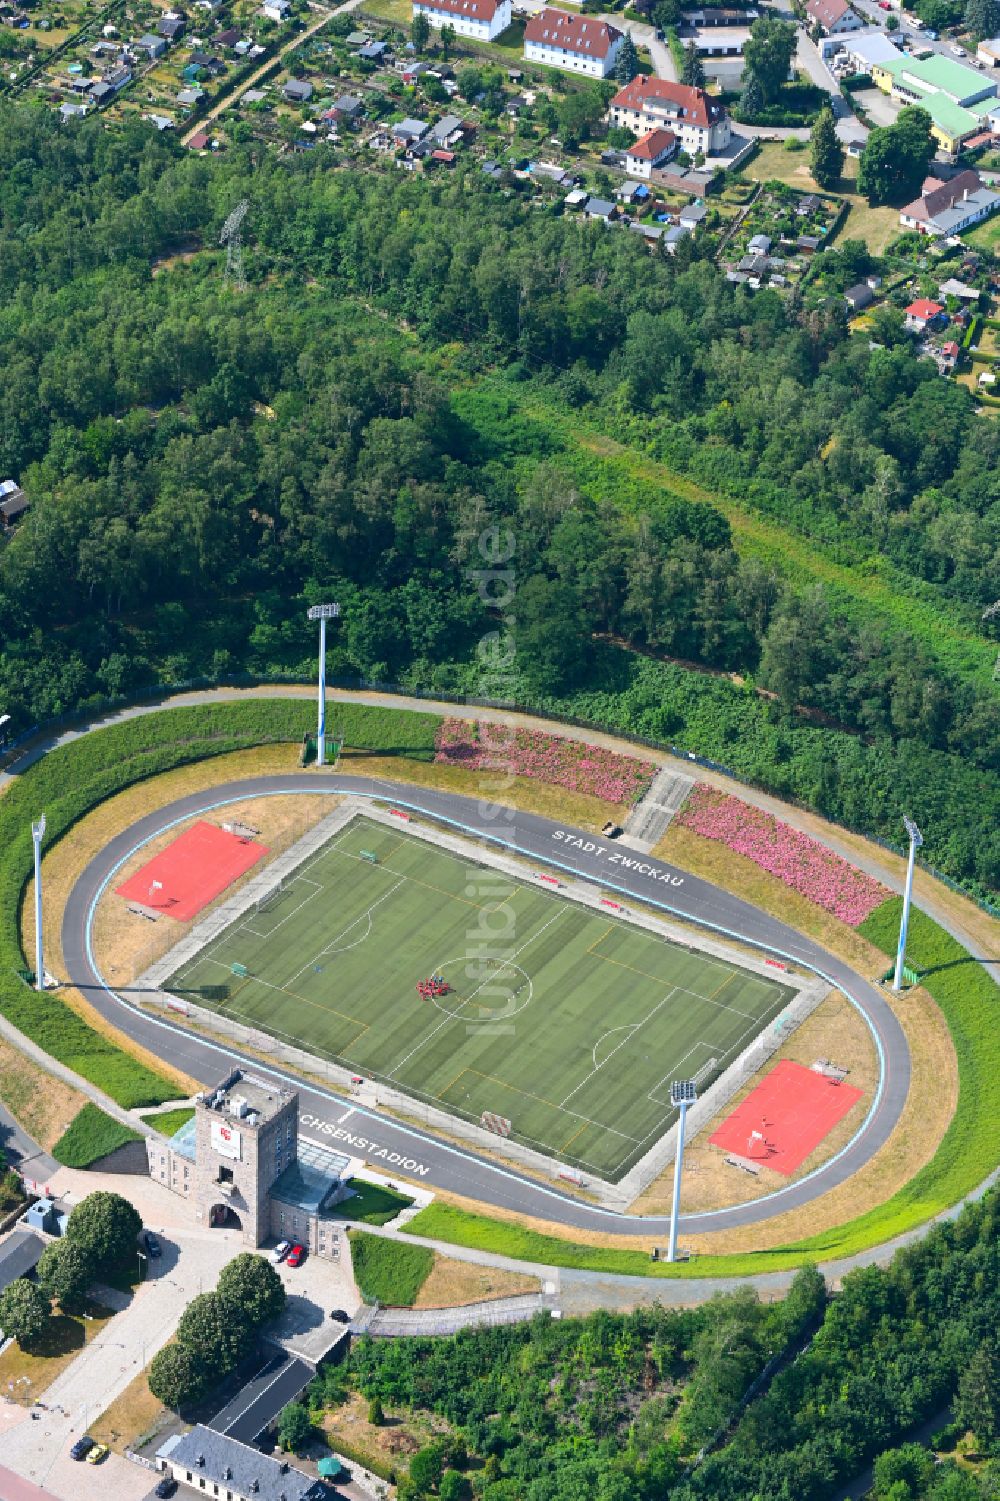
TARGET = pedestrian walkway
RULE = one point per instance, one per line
(652, 816)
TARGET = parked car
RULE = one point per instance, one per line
(97, 1453)
(280, 1251)
(153, 1247)
(81, 1448)
(296, 1256)
(932, 36)
(166, 1487)
(958, 51)
(340, 1315)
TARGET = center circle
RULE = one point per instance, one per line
(516, 986)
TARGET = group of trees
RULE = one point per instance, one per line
(184, 526)
(101, 1236)
(217, 1331)
(683, 1403)
(767, 60)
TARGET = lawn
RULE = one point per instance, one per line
(26, 1374)
(876, 226)
(169, 1122)
(389, 1271)
(370, 1203)
(92, 1135)
(985, 236)
(566, 1023)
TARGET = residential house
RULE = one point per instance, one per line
(651, 150)
(600, 208)
(411, 71)
(949, 207)
(833, 17)
(218, 1465)
(575, 43)
(70, 111)
(576, 199)
(443, 158)
(190, 98)
(447, 131)
(408, 131)
(153, 46)
(13, 501)
(760, 245)
(960, 289)
(172, 26)
(227, 38)
(947, 357)
(673, 237)
(111, 84)
(692, 215)
(373, 52)
(161, 122)
(277, 10)
(697, 119)
(859, 297)
(482, 19)
(922, 314)
(199, 141)
(297, 91)
(348, 109)
(958, 99)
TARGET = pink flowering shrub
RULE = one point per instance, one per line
(803, 864)
(486, 746)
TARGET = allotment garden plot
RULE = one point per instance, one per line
(466, 988)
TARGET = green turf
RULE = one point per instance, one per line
(91, 1135)
(566, 1022)
(389, 1271)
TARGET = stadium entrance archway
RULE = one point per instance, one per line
(223, 1217)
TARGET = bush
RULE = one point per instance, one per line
(91, 1135)
(388, 1271)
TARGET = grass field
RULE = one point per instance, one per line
(567, 1023)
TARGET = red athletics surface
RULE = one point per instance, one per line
(794, 1109)
(192, 871)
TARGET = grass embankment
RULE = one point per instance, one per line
(92, 1135)
(169, 1122)
(74, 778)
(370, 1204)
(389, 1271)
(970, 1000)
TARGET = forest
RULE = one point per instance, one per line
(417, 366)
(734, 1400)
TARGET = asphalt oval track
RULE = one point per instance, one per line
(386, 1143)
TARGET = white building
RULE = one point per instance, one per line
(651, 150)
(699, 121)
(575, 43)
(482, 19)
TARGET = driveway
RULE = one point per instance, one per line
(883, 110)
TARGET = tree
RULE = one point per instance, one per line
(24, 1310)
(768, 53)
(895, 159)
(826, 154)
(376, 1413)
(910, 1466)
(470, 81)
(107, 1226)
(294, 1428)
(552, 651)
(892, 22)
(208, 1329)
(982, 17)
(426, 1467)
(751, 99)
(978, 1405)
(627, 65)
(65, 1272)
(252, 1285)
(420, 31)
(448, 35)
(937, 14)
(177, 1376)
(453, 1487)
(693, 74)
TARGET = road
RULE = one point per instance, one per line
(388, 1144)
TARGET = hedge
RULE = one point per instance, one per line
(69, 781)
(389, 1272)
(91, 1134)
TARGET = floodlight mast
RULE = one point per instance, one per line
(322, 613)
(37, 834)
(916, 840)
(682, 1094)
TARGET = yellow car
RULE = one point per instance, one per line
(97, 1453)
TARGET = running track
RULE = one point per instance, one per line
(462, 1171)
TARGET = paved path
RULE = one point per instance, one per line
(24, 1154)
(574, 852)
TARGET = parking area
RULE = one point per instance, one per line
(882, 109)
(314, 1289)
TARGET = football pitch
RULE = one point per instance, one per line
(567, 1023)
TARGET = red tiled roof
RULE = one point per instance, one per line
(478, 10)
(675, 98)
(582, 34)
(951, 348)
(924, 308)
(653, 144)
(199, 142)
(827, 12)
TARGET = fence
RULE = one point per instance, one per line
(95, 707)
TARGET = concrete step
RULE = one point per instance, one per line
(651, 818)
